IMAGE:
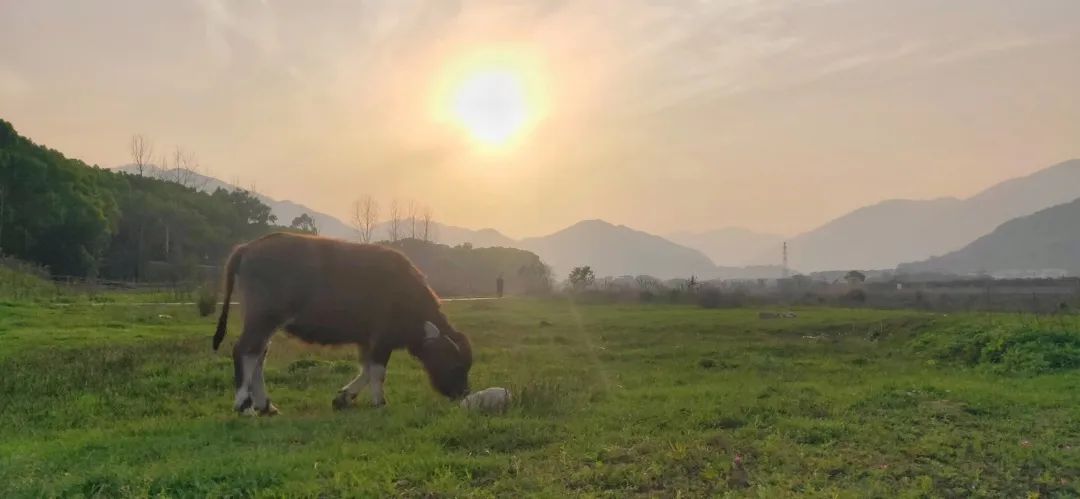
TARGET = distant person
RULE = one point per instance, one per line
(499, 286)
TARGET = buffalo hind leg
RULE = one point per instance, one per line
(248, 354)
(260, 399)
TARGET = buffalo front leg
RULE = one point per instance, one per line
(348, 393)
(379, 359)
(372, 374)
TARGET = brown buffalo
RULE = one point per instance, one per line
(332, 293)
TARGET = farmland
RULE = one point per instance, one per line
(610, 400)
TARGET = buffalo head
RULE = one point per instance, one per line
(447, 358)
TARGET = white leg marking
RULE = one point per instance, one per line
(248, 363)
(378, 376)
(259, 398)
(241, 396)
(358, 383)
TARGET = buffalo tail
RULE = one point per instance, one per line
(230, 280)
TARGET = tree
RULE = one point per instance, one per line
(801, 281)
(54, 211)
(854, 278)
(304, 223)
(412, 219)
(142, 152)
(535, 277)
(648, 282)
(247, 206)
(185, 168)
(394, 227)
(365, 217)
(6, 184)
(426, 224)
(581, 277)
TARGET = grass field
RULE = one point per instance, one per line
(610, 401)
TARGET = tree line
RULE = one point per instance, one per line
(82, 220)
(463, 270)
(409, 220)
(158, 224)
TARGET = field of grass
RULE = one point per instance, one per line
(610, 400)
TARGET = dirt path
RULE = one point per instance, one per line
(190, 303)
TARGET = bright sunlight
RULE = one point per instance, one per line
(491, 105)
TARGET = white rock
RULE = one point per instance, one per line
(494, 399)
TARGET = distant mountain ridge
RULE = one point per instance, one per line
(617, 250)
(328, 225)
(891, 232)
(731, 246)
(1044, 244)
(609, 249)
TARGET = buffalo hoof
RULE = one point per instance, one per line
(343, 401)
(243, 407)
(269, 410)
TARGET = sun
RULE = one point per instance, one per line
(492, 105)
(494, 97)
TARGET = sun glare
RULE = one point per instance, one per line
(491, 105)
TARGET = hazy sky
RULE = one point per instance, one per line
(767, 114)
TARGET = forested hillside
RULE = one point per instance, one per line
(464, 270)
(81, 220)
(85, 221)
(1046, 243)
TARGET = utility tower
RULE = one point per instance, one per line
(784, 269)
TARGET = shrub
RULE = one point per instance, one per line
(1013, 348)
(24, 281)
(709, 298)
(857, 296)
(714, 298)
(206, 302)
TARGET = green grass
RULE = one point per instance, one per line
(610, 401)
(24, 286)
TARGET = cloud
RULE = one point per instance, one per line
(12, 85)
(249, 27)
(985, 48)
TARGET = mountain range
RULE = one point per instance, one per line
(611, 250)
(891, 232)
(1046, 243)
(328, 225)
(880, 236)
(731, 245)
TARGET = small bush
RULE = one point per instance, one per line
(710, 298)
(1016, 349)
(714, 298)
(856, 296)
(22, 281)
(206, 302)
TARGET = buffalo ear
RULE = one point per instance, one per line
(431, 331)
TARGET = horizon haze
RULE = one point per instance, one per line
(679, 117)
